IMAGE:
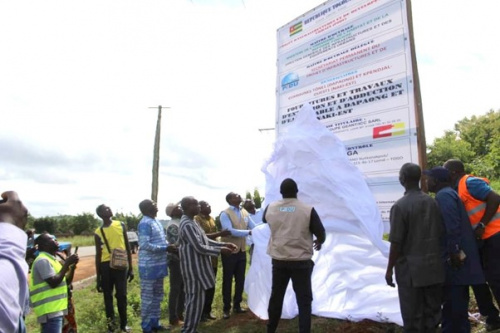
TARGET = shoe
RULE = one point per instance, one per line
(176, 322)
(239, 310)
(226, 315)
(210, 316)
(161, 328)
(126, 329)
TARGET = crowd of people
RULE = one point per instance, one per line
(439, 248)
(442, 246)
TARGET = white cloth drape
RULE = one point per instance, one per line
(348, 278)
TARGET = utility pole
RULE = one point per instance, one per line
(156, 156)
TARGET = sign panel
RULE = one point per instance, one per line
(352, 61)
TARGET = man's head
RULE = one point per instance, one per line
(437, 178)
(233, 199)
(174, 210)
(409, 174)
(456, 168)
(104, 212)
(148, 208)
(205, 208)
(288, 188)
(190, 206)
(46, 243)
(249, 206)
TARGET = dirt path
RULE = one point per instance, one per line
(85, 271)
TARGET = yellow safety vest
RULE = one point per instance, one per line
(45, 299)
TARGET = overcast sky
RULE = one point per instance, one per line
(77, 80)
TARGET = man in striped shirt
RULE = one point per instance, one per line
(195, 250)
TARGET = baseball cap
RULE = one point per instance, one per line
(439, 173)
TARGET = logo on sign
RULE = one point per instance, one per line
(289, 81)
(385, 131)
(295, 29)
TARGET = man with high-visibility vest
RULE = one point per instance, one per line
(483, 207)
(48, 289)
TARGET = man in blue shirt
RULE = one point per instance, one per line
(482, 206)
(153, 249)
(240, 224)
(460, 254)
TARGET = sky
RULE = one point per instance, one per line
(80, 85)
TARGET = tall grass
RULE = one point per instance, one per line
(89, 307)
(78, 240)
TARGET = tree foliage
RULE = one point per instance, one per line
(257, 199)
(475, 141)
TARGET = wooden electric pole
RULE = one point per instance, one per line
(156, 156)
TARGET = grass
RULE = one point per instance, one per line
(78, 240)
(89, 307)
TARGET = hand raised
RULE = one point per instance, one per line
(12, 210)
(226, 250)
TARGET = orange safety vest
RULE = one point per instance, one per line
(475, 208)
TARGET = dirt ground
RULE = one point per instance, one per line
(85, 271)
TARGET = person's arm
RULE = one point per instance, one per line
(317, 229)
(145, 232)
(492, 203)
(12, 210)
(450, 214)
(56, 279)
(193, 238)
(393, 258)
(264, 215)
(98, 255)
(225, 221)
(396, 236)
(222, 233)
(130, 272)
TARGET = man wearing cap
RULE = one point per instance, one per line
(176, 295)
(415, 252)
(483, 208)
(292, 224)
(240, 224)
(460, 252)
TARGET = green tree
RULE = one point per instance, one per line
(130, 220)
(257, 199)
(447, 147)
(475, 141)
(85, 223)
(45, 224)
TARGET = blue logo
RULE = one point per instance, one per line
(287, 209)
(289, 81)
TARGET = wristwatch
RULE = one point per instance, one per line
(479, 225)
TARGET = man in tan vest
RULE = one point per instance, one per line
(240, 224)
(291, 245)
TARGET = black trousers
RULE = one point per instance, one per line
(455, 309)
(114, 279)
(420, 307)
(233, 265)
(209, 296)
(176, 294)
(491, 259)
(300, 274)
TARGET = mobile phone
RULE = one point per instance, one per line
(76, 250)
